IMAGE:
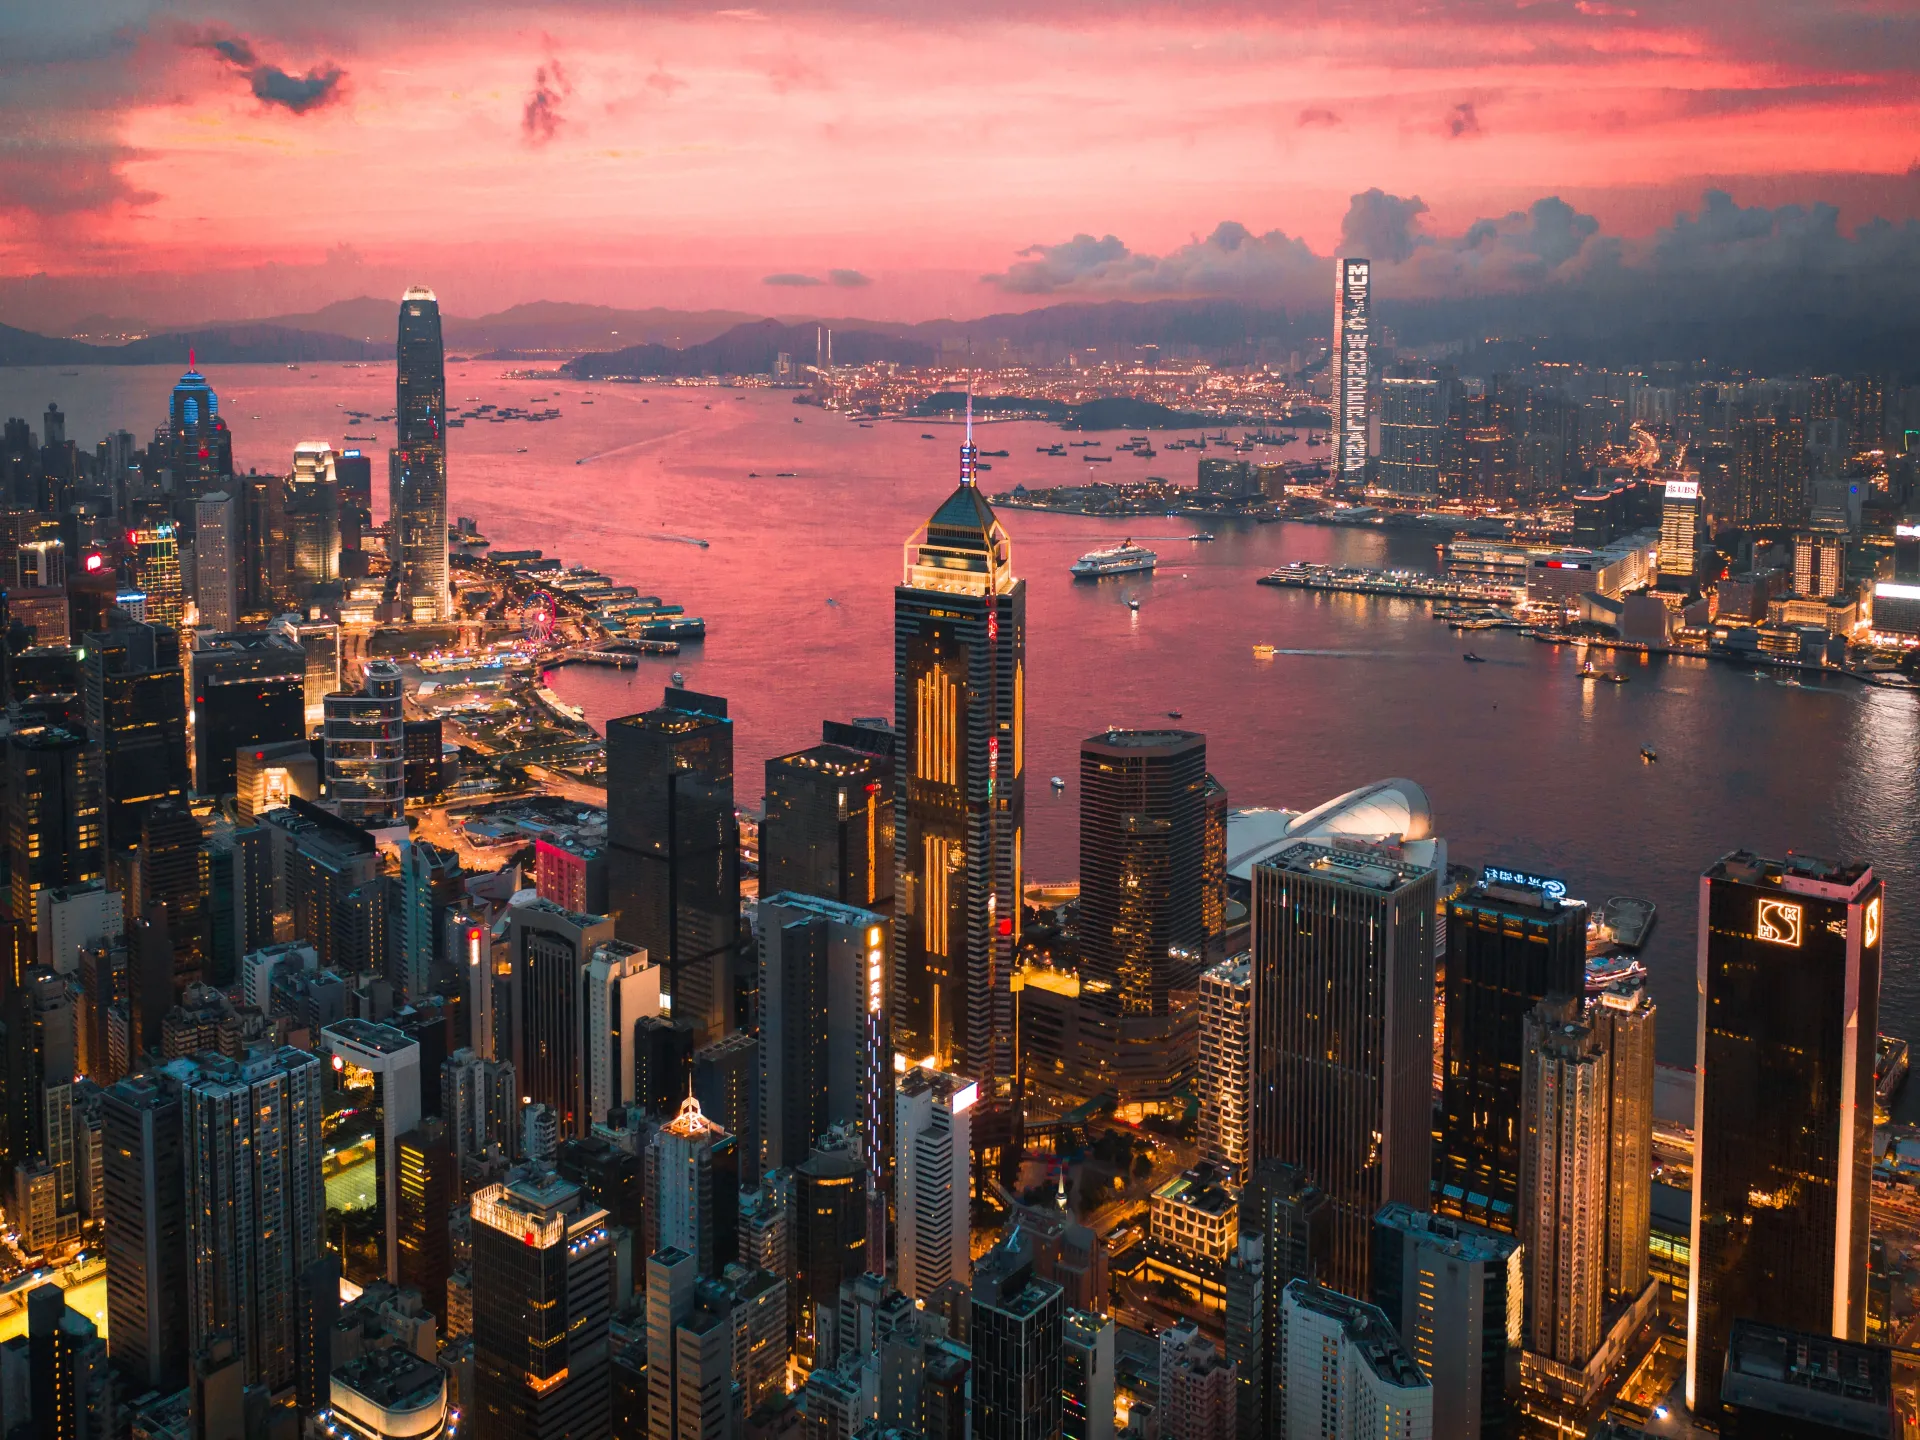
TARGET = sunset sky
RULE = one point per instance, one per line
(884, 157)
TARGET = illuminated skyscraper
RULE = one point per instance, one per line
(216, 562)
(931, 1135)
(366, 749)
(156, 573)
(1566, 1087)
(1413, 432)
(1768, 474)
(194, 443)
(1226, 1065)
(313, 516)
(1789, 978)
(418, 474)
(1679, 530)
(1819, 564)
(959, 644)
(1343, 1033)
(136, 704)
(1143, 931)
(829, 824)
(1352, 367)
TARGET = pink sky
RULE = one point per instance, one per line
(680, 155)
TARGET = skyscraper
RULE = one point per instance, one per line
(1789, 978)
(195, 443)
(1413, 433)
(418, 499)
(429, 886)
(1226, 1066)
(1348, 1375)
(1343, 1015)
(1768, 473)
(674, 872)
(254, 1203)
(313, 517)
(829, 1240)
(1566, 1088)
(376, 1070)
(136, 707)
(1454, 1293)
(1143, 821)
(693, 1182)
(829, 824)
(1680, 531)
(543, 1264)
(170, 870)
(550, 948)
(1510, 944)
(621, 986)
(216, 561)
(366, 749)
(1352, 367)
(959, 646)
(54, 833)
(1086, 1399)
(932, 1137)
(1016, 1329)
(428, 1183)
(156, 573)
(248, 689)
(815, 988)
(1623, 1019)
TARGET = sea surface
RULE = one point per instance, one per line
(1526, 765)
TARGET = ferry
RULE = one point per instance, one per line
(1126, 558)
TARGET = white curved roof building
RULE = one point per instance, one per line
(1395, 809)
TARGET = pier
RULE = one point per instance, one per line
(1399, 584)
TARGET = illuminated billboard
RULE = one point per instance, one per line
(1683, 490)
(1778, 922)
(1352, 370)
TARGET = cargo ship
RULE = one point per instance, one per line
(1126, 558)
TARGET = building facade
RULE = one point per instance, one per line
(418, 463)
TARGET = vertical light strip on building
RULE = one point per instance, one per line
(1352, 335)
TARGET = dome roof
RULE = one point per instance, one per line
(418, 292)
(1386, 807)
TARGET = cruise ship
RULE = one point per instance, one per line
(1126, 558)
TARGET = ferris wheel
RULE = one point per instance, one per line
(539, 617)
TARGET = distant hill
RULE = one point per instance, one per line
(749, 349)
(1114, 413)
(540, 327)
(219, 345)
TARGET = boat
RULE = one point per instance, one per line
(925, 436)
(1263, 652)
(1473, 659)
(1058, 784)
(1649, 754)
(1614, 677)
(1202, 536)
(1173, 714)
(682, 539)
(1132, 604)
(1126, 558)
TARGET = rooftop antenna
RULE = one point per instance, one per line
(966, 450)
(190, 357)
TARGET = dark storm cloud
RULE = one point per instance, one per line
(1463, 121)
(270, 84)
(850, 278)
(541, 119)
(1230, 261)
(788, 277)
(48, 178)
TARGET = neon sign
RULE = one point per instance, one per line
(1779, 922)
(1497, 875)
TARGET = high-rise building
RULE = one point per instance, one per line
(194, 444)
(572, 871)
(254, 1203)
(959, 648)
(1566, 1087)
(170, 870)
(1142, 917)
(1789, 972)
(817, 1060)
(1623, 1018)
(366, 749)
(319, 641)
(428, 1183)
(1016, 1329)
(481, 1105)
(1454, 1293)
(829, 1232)
(146, 1232)
(550, 949)
(1348, 1375)
(543, 1278)
(313, 517)
(418, 463)
(38, 1111)
(331, 883)
(932, 1138)
(53, 1378)
(1807, 1385)
(156, 573)
(1510, 944)
(828, 830)
(429, 886)
(1086, 1392)
(216, 561)
(1680, 530)
(54, 834)
(1196, 1386)
(136, 707)
(386, 1394)
(1226, 1066)
(1768, 473)
(249, 689)
(621, 985)
(674, 851)
(693, 1189)
(1283, 1238)
(376, 1072)
(1819, 564)
(1413, 432)
(1351, 367)
(1343, 1020)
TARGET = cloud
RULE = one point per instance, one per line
(788, 277)
(1230, 261)
(1382, 227)
(848, 277)
(271, 85)
(43, 179)
(541, 119)
(1317, 117)
(1463, 121)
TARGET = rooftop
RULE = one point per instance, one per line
(1369, 868)
(371, 1036)
(1373, 1339)
(393, 1379)
(1800, 874)
(1451, 1237)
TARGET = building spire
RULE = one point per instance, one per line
(966, 449)
(190, 359)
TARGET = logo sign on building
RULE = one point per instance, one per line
(1872, 924)
(1683, 490)
(1498, 875)
(1779, 922)
(1352, 367)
